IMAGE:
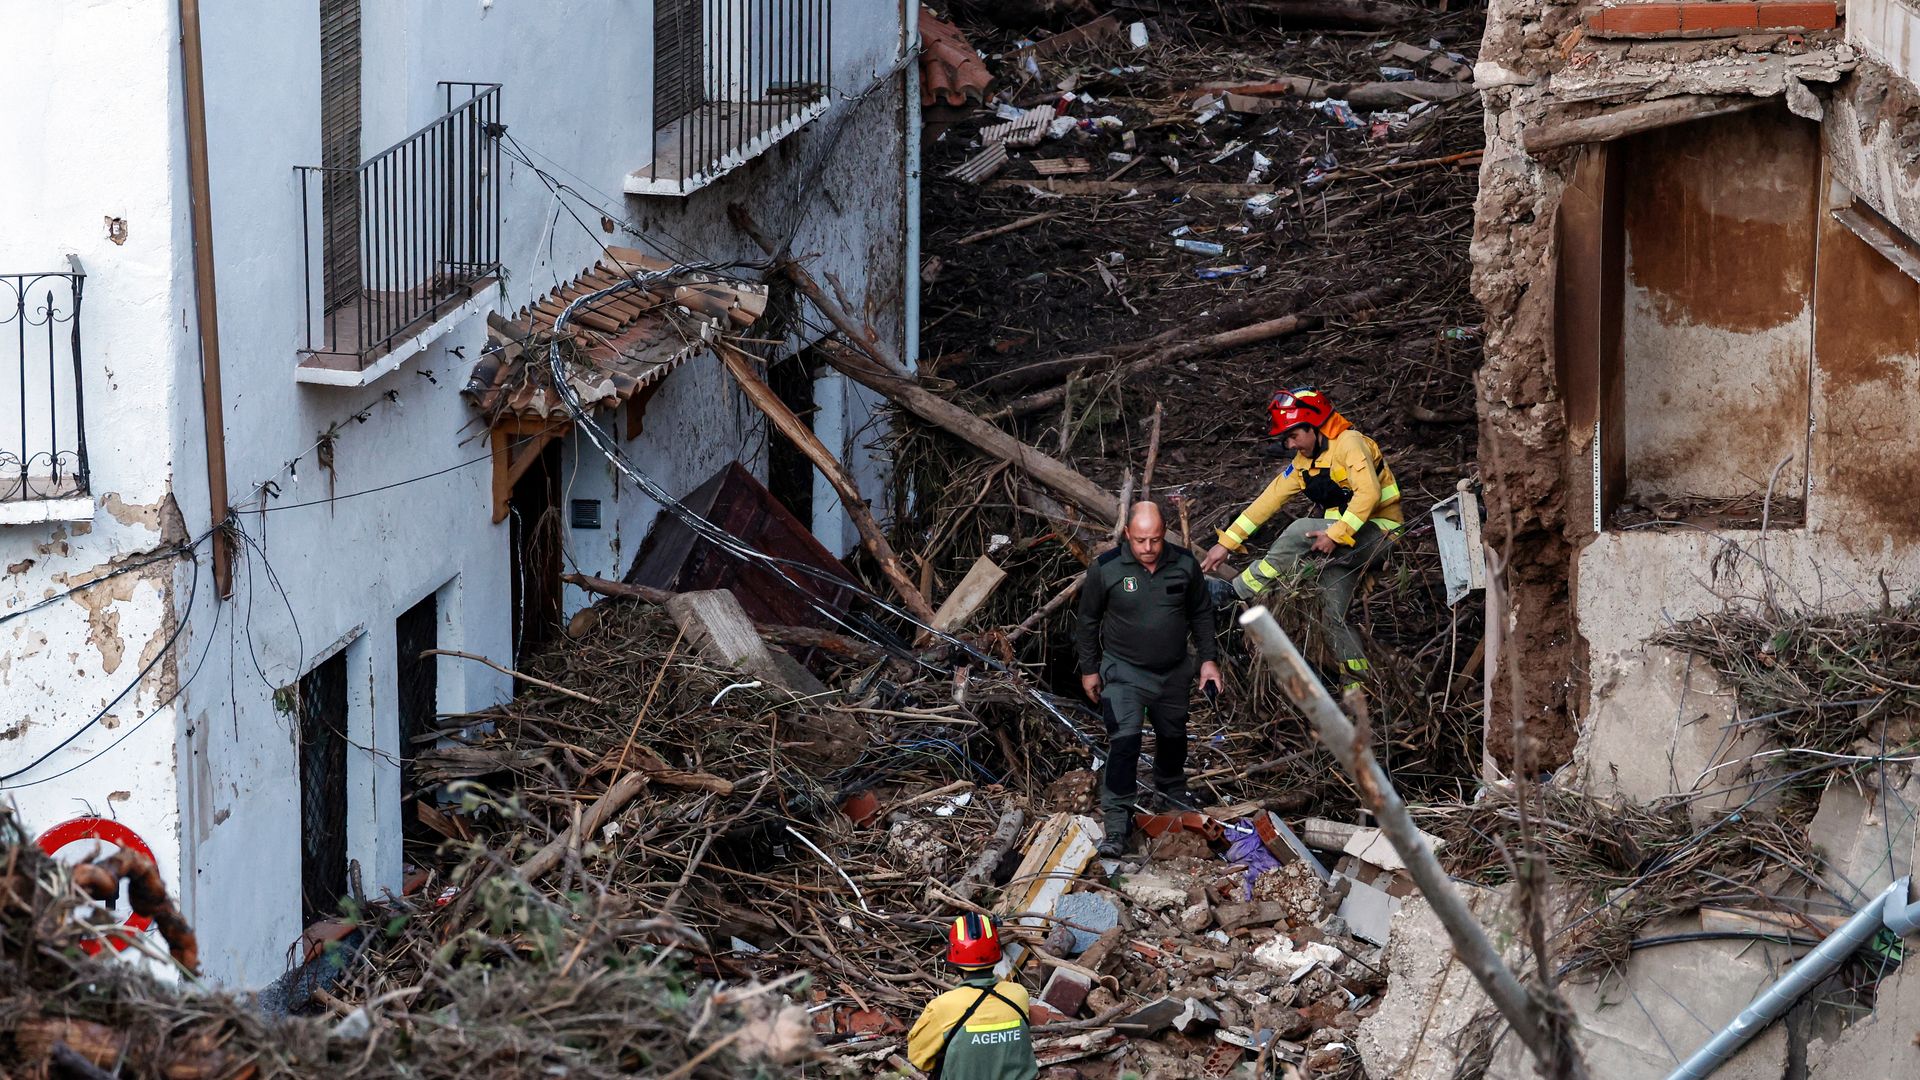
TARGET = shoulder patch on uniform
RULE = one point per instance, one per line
(1288, 471)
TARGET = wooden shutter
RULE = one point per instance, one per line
(340, 149)
(678, 59)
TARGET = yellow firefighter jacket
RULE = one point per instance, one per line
(1358, 470)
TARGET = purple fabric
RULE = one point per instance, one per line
(1245, 847)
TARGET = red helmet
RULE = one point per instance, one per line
(972, 942)
(1291, 408)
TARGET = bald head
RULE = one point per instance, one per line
(1146, 534)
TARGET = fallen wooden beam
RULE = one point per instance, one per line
(1357, 14)
(1005, 835)
(1252, 334)
(862, 336)
(1557, 131)
(882, 372)
(1360, 95)
(1144, 187)
(802, 436)
(967, 597)
(1009, 227)
(1089, 497)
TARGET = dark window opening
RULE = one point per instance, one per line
(789, 473)
(416, 631)
(536, 551)
(323, 789)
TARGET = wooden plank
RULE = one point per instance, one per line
(1066, 166)
(967, 597)
(1143, 187)
(1057, 857)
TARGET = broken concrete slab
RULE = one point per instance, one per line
(1368, 912)
(1088, 915)
(718, 628)
(1327, 835)
(1881, 1044)
(1372, 845)
(1189, 1016)
(1865, 837)
(1154, 891)
(1434, 997)
(1663, 724)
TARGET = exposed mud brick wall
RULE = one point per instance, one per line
(1523, 435)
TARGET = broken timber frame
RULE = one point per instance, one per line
(809, 444)
(1556, 132)
(883, 373)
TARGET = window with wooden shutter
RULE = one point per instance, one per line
(679, 57)
(340, 150)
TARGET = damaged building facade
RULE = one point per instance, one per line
(1695, 244)
(393, 195)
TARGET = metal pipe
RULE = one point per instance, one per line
(1891, 909)
(206, 295)
(910, 44)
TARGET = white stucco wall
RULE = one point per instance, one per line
(82, 148)
(211, 782)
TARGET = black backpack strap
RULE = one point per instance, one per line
(940, 1060)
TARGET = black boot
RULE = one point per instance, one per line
(1119, 830)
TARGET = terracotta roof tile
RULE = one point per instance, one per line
(951, 73)
(618, 346)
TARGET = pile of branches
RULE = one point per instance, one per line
(1818, 681)
(783, 833)
(1620, 866)
(537, 988)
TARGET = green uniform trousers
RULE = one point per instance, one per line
(1130, 696)
(1336, 576)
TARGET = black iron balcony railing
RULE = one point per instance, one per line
(43, 435)
(407, 235)
(731, 77)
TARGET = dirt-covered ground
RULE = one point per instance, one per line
(1359, 212)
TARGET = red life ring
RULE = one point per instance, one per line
(109, 831)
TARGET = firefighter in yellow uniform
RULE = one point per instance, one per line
(978, 1030)
(1347, 478)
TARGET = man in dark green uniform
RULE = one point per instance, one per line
(1139, 604)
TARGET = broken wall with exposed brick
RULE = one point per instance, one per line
(1692, 245)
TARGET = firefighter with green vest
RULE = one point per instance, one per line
(1139, 605)
(977, 1030)
(1349, 483)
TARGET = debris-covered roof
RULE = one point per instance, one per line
(619, 345)
(951, 72)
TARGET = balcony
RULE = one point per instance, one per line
(731, 79)
(400, 247)
(43, 437)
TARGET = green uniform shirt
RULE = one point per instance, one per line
(1142, 618)
(995, 1043)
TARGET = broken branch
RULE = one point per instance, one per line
(520, 675)
(1530, 1020)
(809, 444)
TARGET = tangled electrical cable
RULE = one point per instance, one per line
(179, 628)
(739, 549)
